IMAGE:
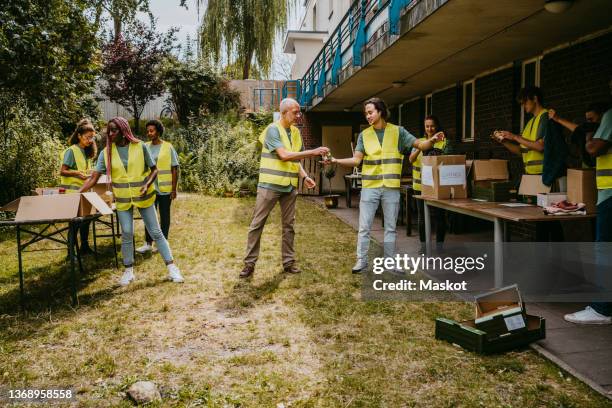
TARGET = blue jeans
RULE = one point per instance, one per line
(149, 216)
(603, 233)
(370, 199)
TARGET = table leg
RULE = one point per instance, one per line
(498, 239)
(427, 226)
(71, 244)
(347, 185)
(21, 293)
(114, 241)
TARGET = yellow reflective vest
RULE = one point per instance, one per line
(603, 170)
(128, 182)
(73, 184)
(532, 159)
(272, 169)
(416, 165)
(164, 167)
(382, 165)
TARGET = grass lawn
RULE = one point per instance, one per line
(302, 341)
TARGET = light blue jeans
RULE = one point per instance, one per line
(149, 216)
(370, 199)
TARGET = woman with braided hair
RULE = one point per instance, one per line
(76, 167)
(131, 170)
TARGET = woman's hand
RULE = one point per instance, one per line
(505, 135)
(143, 189)
(438, 137)
(552, 114)
(83, 176)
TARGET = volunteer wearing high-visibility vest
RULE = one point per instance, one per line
(279, 173)
(380, 149)
(166, 159)
(432, 126)
(530, 144)
(601, 147)
(583, 133)
(76, 168)
(128, 164)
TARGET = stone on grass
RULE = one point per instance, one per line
(143, 392)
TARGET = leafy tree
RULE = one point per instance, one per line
(132, 67)
(196, 89)
(244, 29)
(121, 12)
(49, 56)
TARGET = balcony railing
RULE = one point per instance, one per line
(367, 23)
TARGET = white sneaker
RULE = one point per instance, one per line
(127, 277)
(174, 274)
(144, 249)
(588, 316)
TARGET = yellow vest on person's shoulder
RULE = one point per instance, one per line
(128, 182)
(416, 165)
(382, 164)
(532, 159)
(603, 170)
(83, 164)
(272, 169)
(164, 167)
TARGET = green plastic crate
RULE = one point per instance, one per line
(467, 336)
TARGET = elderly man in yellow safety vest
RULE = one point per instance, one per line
(279, 171)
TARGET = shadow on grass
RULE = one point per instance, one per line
(245, 295)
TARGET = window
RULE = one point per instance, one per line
(467, 134)
(428, 105)
(530, 76)
(314, 18)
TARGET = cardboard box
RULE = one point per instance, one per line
(57, 206)
(500, 312)
(581, 188)
(531, 185)
(489, 170)
(443, 177)
(548, 199)
(102, 189)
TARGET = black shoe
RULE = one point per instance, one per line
(247, 271)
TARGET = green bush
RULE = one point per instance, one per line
(30, 155)
(217, 157)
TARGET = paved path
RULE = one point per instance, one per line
(583, 351)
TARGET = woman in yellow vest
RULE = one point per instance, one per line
(128, 164)
(166, 161)
(77, 166)
(432, 126)
(380, 149)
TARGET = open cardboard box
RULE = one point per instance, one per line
(57, 206)
(531, 185)
(443, 177)
(501, 324)
(493, 169)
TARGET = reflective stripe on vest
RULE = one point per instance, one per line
(164, 167)
(603, 170)
(272, 170)
(127, 184)
(83, 164)
(532, 159)
(416, 166)
(382, 165)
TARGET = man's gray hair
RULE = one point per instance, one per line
(287, 103)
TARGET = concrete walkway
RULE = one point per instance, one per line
(583, 351)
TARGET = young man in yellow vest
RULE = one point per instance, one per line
(166, 160)
(128, 164)
(279, 170)
(601, 148)
(432, 126)
(530, 145)
(381, 149)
